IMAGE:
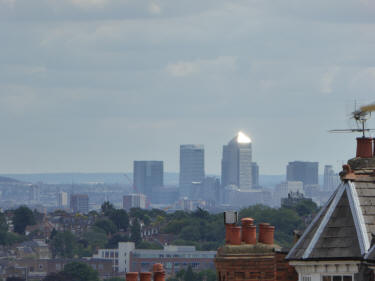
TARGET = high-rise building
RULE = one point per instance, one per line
(148, 175)
(331, 179)
(236, 162)
(62, 199)
(134, 201)
(255, 174)
(34, 193)
(79, 203)
(191, 167)
(306, 172)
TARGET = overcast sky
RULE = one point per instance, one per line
(91, 85)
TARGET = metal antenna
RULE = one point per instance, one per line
(360, 116)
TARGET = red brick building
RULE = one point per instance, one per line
(246, 258)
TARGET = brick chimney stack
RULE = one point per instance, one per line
(131, 276)
(365, 147)
(159, 273)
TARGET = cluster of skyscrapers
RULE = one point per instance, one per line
(237, 172)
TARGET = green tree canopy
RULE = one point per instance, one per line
(23, 217)
(135, 232)
(79, 271)
(107, 207)
(107, 225)
(120, 218)
(63, 245)
(60, 276)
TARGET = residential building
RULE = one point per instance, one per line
(79, 203)
(134, 201)
(33, 269)
(236, 163)
(306, 172)
(126, 258)
(148, 175)
(120, 257)
(191, 167)
(174, 258)
(338, 245)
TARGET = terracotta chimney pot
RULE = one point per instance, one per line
(247, 221)
(159, 273)
(131, 276)
(364, 147)
(235, 235)
(267, 236)
(227, 232)
(249, 234)
(262, 228)
(146, 276)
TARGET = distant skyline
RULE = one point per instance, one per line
(91, 85)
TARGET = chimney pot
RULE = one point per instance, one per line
(146, 276)
(266, 233)
(364, 147)
(235, 235)
(249, 234)
(159, 273)
(131, 276)
(247, 221)
(228, 228)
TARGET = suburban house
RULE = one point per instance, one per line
(339, 243)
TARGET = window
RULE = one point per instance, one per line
(239, 275)
(308, 278)
(336, 278)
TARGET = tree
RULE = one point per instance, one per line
(79, 271)
(107, 207)
(23, 217)
(60, 276)
(96, 238)
(63, 245)
(3, 223)
(189, 275)
(120, 218)
(135, 232)
(107, 225)
(115, 239)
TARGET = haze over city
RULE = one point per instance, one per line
(90, 86)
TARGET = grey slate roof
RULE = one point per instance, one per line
(343, 228)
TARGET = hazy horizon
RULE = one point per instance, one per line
(91, 85)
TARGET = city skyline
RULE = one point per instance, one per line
(102, 83)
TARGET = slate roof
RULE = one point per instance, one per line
(344, 227)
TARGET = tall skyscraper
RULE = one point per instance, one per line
(191, 167)
(148, 175)
(79, 203)
(62, 199)
(255, 174)
(306, 172)
(331, 179)
(236, 162)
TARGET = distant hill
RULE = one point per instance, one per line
(7, 180)
(69, 178)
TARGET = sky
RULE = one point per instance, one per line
(91, 85)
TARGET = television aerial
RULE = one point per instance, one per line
(360, 116)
